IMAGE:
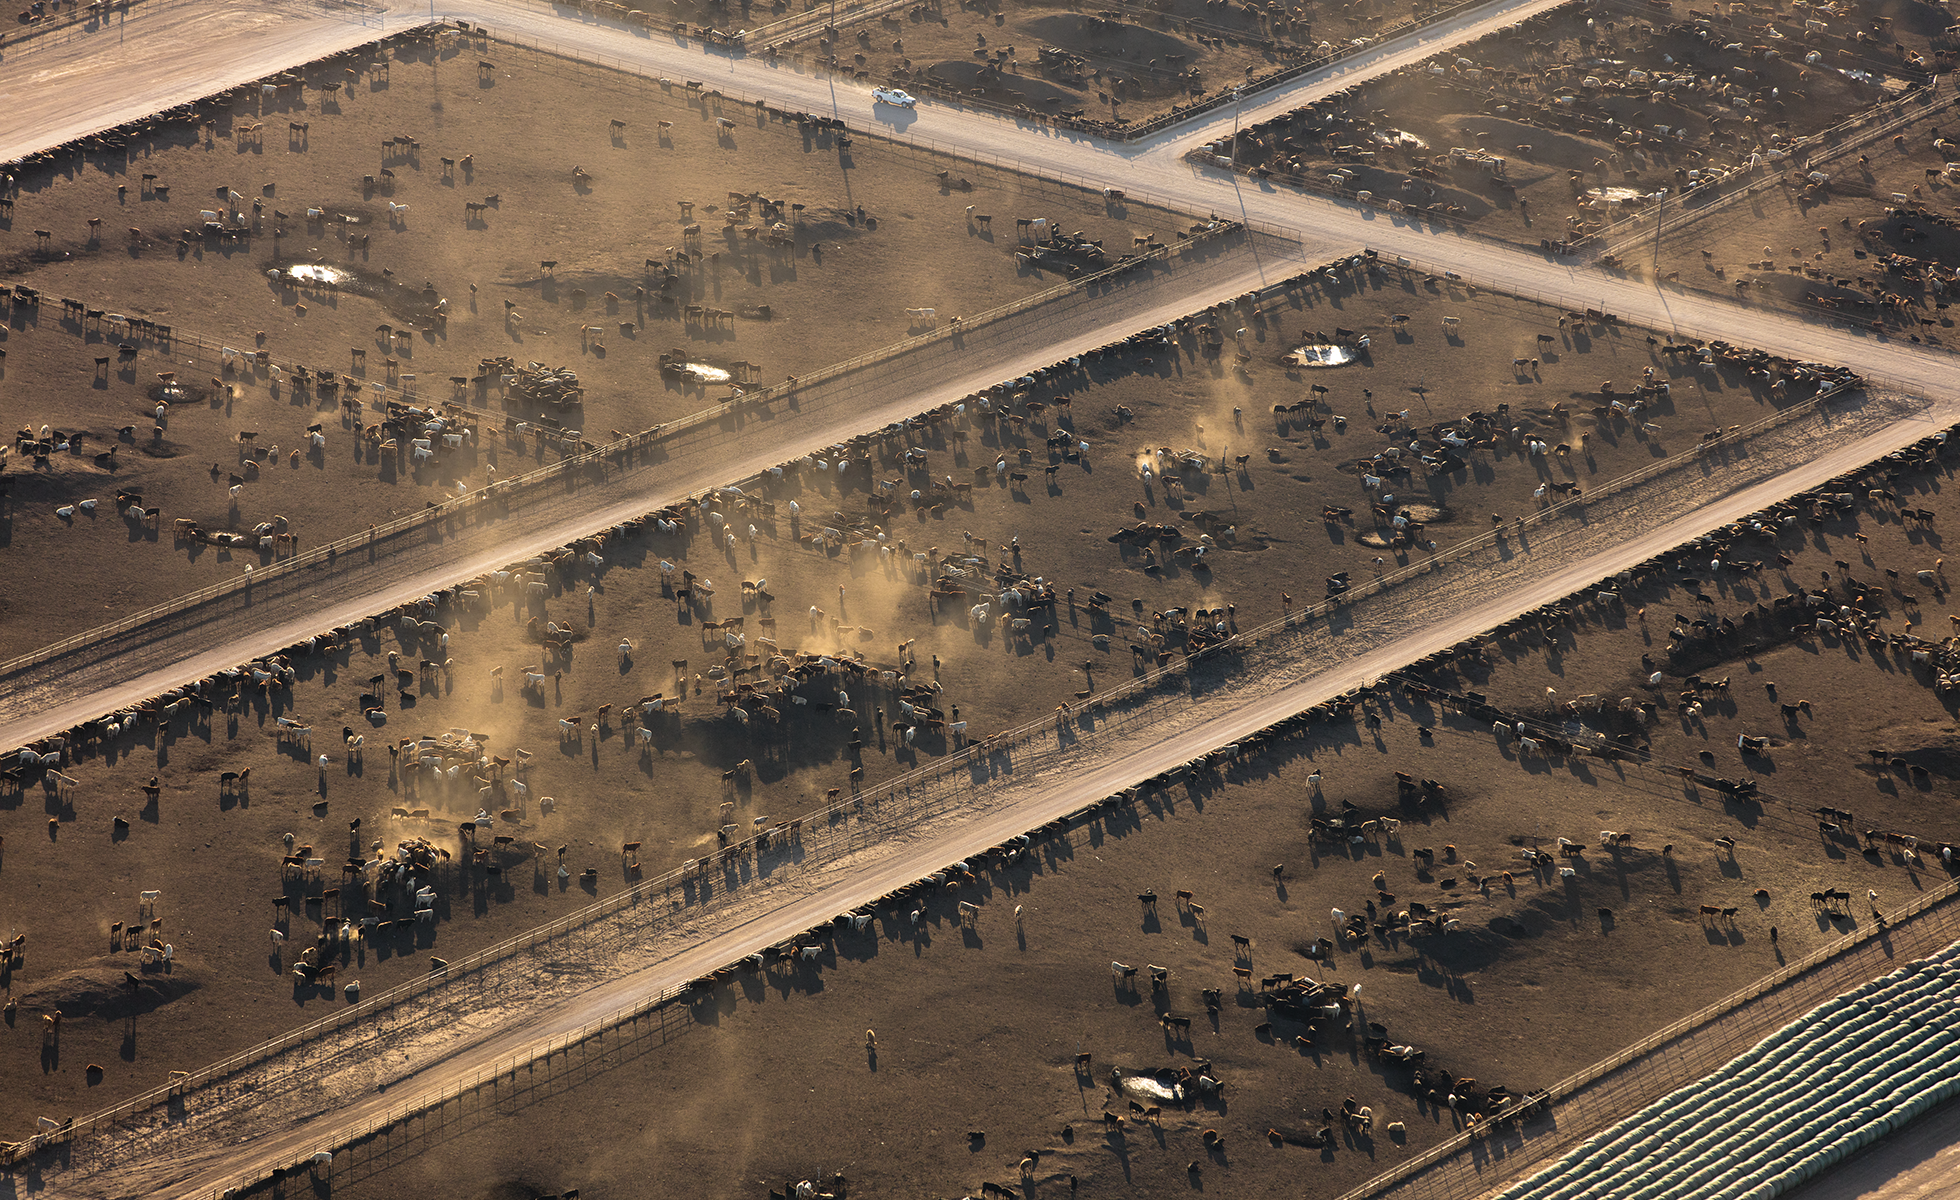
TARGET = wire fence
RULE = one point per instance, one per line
(1635, 233)
(1685, 1050)
(599, 1041)
(852, 821)
(211, 351)
(719, 99)
(837, 814)
(1373, 43)
(1621, 236)
(207, 350)
(837, 835)
(505, 491)
(1366, 200)
(1660, 1074)
(1576, 303)
(1856, 53)
(815, 16)
(1122, 130)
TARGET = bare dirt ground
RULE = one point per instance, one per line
(668, 791)
(1419, 354)
(839, 286)
(1120, 65)
(1498, 999)
(49, 17)
(1579, 115)
(1852, 719)
(223, 945)
(1312, 667)
(977, 1029)
(1876, 244)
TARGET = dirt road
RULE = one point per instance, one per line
(79, 686)
(90, 84)
(157, 59)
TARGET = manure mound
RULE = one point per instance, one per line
(101, 991)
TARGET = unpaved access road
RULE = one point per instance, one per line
(111, 673)
(95, 98)
(159, 58)
(178, 53)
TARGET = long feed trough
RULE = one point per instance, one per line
(1798, 1103)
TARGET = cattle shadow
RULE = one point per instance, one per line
(1719, 933)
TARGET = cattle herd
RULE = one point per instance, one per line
(752, 691)
(1586, 114)
(749, 683)
(751, 686)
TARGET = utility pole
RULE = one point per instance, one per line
(1238, 98)
(1659, 214)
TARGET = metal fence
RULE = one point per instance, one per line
(1092, 186)
(768, 36)
(505, 490)
(623, 1024)
(493, 1077)
(1688, 1066)
(818, 15)
(1255, 83)
(1881, 119)
(1575, 301)
(1572, 507)
(666, 884)
(1126, 132)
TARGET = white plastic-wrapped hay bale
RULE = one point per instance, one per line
(1854, 1069)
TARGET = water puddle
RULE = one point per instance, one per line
(1320, 356)
(696, 372)
(1144, 1087)
(419, 306)
(313, 275)
(173, 391)
(1400, 139)
(1620, 195)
